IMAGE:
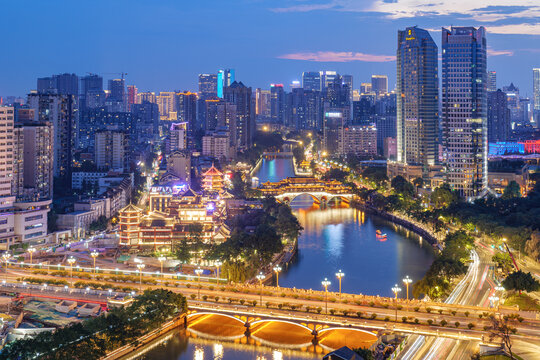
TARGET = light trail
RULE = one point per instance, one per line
(471, 277)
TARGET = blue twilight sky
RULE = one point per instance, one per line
(164, 44)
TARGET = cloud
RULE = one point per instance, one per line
(333, 56)
(493, 52)
(304, 8)
(521, 17)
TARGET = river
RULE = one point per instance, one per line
(333, 239)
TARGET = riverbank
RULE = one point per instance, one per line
(423, 233)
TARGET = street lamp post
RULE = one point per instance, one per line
(140, 266)
(407, 281)
(71, 261)
(396, 289)
(6, 256)
(261, 277)
(277, 269)
(326, 283)
(493, 299)
(218, 264)
(31, 251)
(340, 275)
(198, 271)
(161, 259)
(94, 254)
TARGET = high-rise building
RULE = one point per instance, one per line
(147, 116)
(116, 101)
(332, 123)
(262, 103)
(146, 96)
(358, 140)
(327, 78)
(240, 95)
(179, 165)
(186, 110)
(277, 103)
(64, 84)
(111, 151)
(464, 92)
(311, 80)
(177, 137)
(207, 86)
(306, 109)
(131, 96)
(38, 157)
(225, 78)
(59, 111)
(536, 96)
(498, 115)
(348, 80)
(417, 99)
(91, 92)
(512, 97)
(365, 88)
(226, 116)
(379, 84)
(7, 119)
(167, 105)
(492, 81)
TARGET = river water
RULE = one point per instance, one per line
(334, 238)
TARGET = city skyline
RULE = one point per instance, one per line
(262, 50)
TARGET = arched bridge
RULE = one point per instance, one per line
(322, 191)
(275, 330)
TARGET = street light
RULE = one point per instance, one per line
(260, 277)
(218, 264)
(71, 261)
(277, 269)
(161, 259)
(396, 289)
(198, 271)
(493, 299)
(140, 266)
(94, 254)
(407, 281)
(340, 275)
(6, 256)
(31, 251)
(326, 283)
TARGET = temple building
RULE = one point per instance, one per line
(212, 180)
(175, 216)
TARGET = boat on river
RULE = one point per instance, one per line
(380, 236)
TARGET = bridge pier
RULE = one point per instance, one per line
(247, 325)
(315, 340)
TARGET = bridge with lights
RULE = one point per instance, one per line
(321, 191)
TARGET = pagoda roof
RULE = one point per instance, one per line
(190, 193)
(213, 171)
(131, 208)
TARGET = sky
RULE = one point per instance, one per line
(164, 44)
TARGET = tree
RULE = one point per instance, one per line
(443, 196)
(504, 261)
(239, 186)
(402, 186)
(364, 353)
(336, 174)
(512, 190)
(501, 328)
(520, 281)
(418, 182)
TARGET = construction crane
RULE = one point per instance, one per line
(122, 74)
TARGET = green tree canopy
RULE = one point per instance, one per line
(521, 281)
(512, 190)
(402, 186)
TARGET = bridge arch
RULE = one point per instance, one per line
(216, 314)
(280, 321)
(346, 328)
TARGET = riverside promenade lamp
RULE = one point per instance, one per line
(407, 281)
(340, 275)
(94, 254)
(31, 251)
(140, 266)
(71, 261)
(277, 270)
(326, 283)
(261, 277)
(396, 289)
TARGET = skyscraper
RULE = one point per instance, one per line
(91, 92)
(224, 78)
(379, 84)
(207, 86)
(327, 77)
(65, 84)
(536, 95)
(240, 95)
(498, 116)
(417, 99)
(277, 103)
(311, 80)
(59, 111)
(111, 151)
(131, 96)
(186, 110)
(464, 91)
(492, 81)
(306, 109)
(117, 95)
(262, 103)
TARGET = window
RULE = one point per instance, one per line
(35, 217)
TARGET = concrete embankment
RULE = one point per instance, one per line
(426, 235)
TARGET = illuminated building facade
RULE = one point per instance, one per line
(212, 181)
(464, 86)
(417, 99)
